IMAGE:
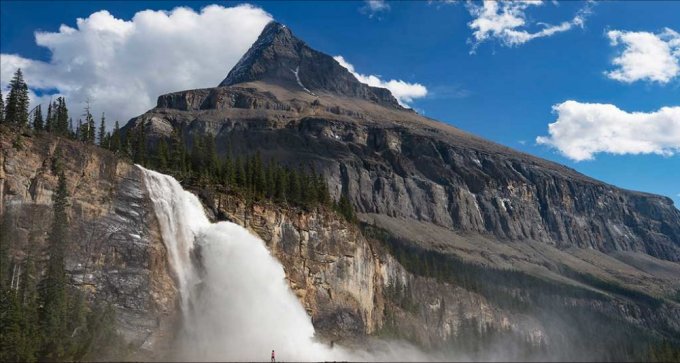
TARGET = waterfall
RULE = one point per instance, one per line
(236, 304)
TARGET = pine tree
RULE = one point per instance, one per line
(38, 123)
(53, 289)
(240, 173)
(139, 145)
(211, 161)
(60, 117)
(162, 155)
(322, 190)
(259, 176)
(228, 172)
(345, 208)
(16, 109)
(281, 184)
(294, 187)
(115, 138)
(178, 155)
(102, 131)
(49, 119)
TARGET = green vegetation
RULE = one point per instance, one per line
(575, 331)
(44, 318)
(248, 175)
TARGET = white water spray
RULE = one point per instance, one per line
(236, 303)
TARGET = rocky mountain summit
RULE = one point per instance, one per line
(280, 58)
(295, 104)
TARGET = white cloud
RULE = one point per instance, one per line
(374, 7)
(404, 92)
(646, 56)
(585, 129)
(122, 66)
(506, 21)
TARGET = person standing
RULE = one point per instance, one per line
(273, 356)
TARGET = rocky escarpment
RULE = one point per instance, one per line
(351, 286)
(114, 252)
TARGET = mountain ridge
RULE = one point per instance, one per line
(391, 161)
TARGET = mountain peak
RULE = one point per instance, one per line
(278, 57)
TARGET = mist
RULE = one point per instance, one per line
(235, 301)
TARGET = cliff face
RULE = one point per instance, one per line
(114, 252)
(352, 284)
(431, 174)
(393, 162)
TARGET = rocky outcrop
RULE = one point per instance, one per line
(114, 253)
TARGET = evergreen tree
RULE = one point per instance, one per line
(259, 176)
(322, 190)
(228, 172)
(16, 109)
(38, 123)
(53, 289)
(139, 145)
(28, 293)
(211, 161)
(178, 156)
(345, 208)
(60, 118)
(281, 184)
(115, 138)
(102, 131)
(49, 119)
(294, 187)
(162, 155)
(240, 173)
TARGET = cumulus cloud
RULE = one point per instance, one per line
(646, 56)
(121, 66)
(404, 92)
(585, 129)
(507, 22)
(374, 7)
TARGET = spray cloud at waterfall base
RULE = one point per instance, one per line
(235, 302)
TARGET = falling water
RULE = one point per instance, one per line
(235, 302)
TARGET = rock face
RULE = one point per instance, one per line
(114, 253)
(393, 162)
(349, 283)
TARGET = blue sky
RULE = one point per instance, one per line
(502, 92)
